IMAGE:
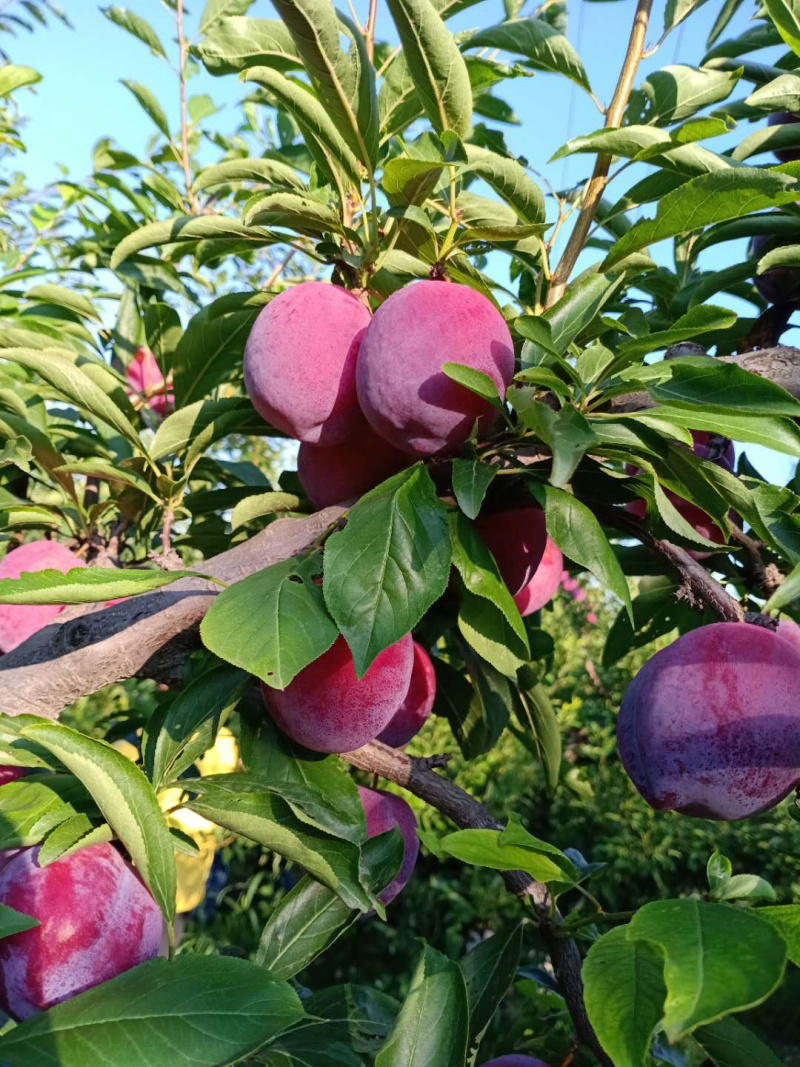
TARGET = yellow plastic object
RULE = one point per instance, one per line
(192, 871)
(223, 757)
(128, 750)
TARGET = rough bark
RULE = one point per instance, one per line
(149, 636)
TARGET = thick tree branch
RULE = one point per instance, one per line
(419, 778)
(149, 636)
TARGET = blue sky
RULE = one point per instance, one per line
(81, 98)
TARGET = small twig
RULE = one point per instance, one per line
(187, 170)
(597, 183)
(279, 269)
(166, 531)
(766, 577)
(369, 29)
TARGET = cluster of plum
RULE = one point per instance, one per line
(365, 396)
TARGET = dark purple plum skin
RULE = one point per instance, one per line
(781, 285)
(710, 726)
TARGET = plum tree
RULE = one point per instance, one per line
(19, 621)
(333, 474)
(402, 389)
(529, 562)
(384, 811)
(96, 920)
(12, 774)
(413, 713)
(710, 725)
(300, 362)
(328, 709)
(785, 118)
(515, 1060)
(780, 285)
(146, 378)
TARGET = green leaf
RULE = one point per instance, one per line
(471, 479)
(708, 382)
(581, 538)
(234, 1007)
(780, 434)
(433, 1024)
(262, 171)
(189, 228)
(704, 979)
(211, 347)
(148, 102)
(573, 313)
(676, 92)
(272, 623)
(538, 715)
(315, 788)
(111, 472)
(368, 1014)
(410, 181)
(696, 321)
(235, 44)
(436, 66)
(480, 574)
(75, 385)
(305, 924)
(84, 585)
(389, 564)
(13, 77)
(488, 970)
(786, 920)
(188, 724)
(744, 887)
(709, 198)
(136, 26)
(70, 835)
(14, 922)
(624, 994)
(199, 425)
(293, 212)
(518, 852)
(216, 10)
(64, 298)
(323, 137)
(344, 80)
(475, 380)
(781, 92)
(567, 432)
(32, 807)
(126, 800)
(785, 14)
(260, 504)
(544, 48)
(242, 804)
(729, 1044)
(509, 180)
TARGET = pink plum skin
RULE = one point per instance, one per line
(529, 562)
(337, 474)
(328, 709)
(97, 919)
(404, 393)
(383, 811)
(789, 631)
(144, 376)
(300, 362)
(710, 725)
(516, 1060)
(542, 586)
(19, 621)
(10, 774)
(413, 713)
